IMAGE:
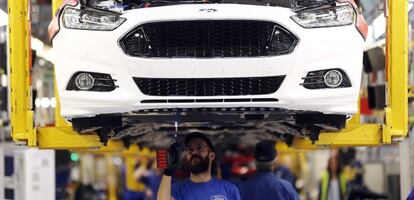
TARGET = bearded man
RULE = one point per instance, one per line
(198, 157)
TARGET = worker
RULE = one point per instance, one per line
(264, 184)
(198, 158)
(333, 183)
(150, 176)
(283, 172)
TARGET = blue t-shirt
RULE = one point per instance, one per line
(214, 189)
(152, 180)
(284, 173)
(411, 195)
(265, 185)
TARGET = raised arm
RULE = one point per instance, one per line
(164, 191)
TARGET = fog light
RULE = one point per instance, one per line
(84, 81)
(326, 78)
(91, 81)
(333, 78)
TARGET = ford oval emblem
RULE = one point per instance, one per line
(218, 197)
(208, 10)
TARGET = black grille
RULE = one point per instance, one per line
(209, 87)
(213, 38)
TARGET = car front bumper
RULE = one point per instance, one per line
(99, 51)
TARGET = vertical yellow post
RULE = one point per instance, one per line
(356, 118)
(20, 80)
(111, 178)
(130, 159)
(397, 51)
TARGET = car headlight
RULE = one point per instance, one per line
(90, 20)
(327, 16)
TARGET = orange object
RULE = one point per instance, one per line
(162, 160)
(365, 110)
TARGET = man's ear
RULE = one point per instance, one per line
(212, 155)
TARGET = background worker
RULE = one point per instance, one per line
(264, 184)
(333, 183)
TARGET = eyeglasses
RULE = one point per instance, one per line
(196, 148)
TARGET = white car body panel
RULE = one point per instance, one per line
(99, 51)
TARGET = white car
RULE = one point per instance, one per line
(126, 62)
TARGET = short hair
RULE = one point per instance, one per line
(199, 135)
(265, 151)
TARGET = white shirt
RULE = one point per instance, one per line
(334, 191)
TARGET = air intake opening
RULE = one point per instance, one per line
(208, 38)
(209, 86)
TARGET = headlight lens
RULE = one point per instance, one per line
(324, 17)
(90, 20)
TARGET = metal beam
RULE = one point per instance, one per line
(363, 135)
(21, 118)
(396, 112)
(64, 138)
(131, 156)
(111, 178)
(114, 147)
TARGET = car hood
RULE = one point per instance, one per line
(118, 6)
(207, 11)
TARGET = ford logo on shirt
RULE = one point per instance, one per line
(208, 10)
(218, 197)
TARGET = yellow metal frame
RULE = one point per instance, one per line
(62, 135)
(23, 131)
(21, 115)
(397, 51)
(131, 156)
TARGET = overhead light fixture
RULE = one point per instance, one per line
(4, 80)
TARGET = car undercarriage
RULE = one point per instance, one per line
(158, 128)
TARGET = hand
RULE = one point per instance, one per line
(174, 158)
